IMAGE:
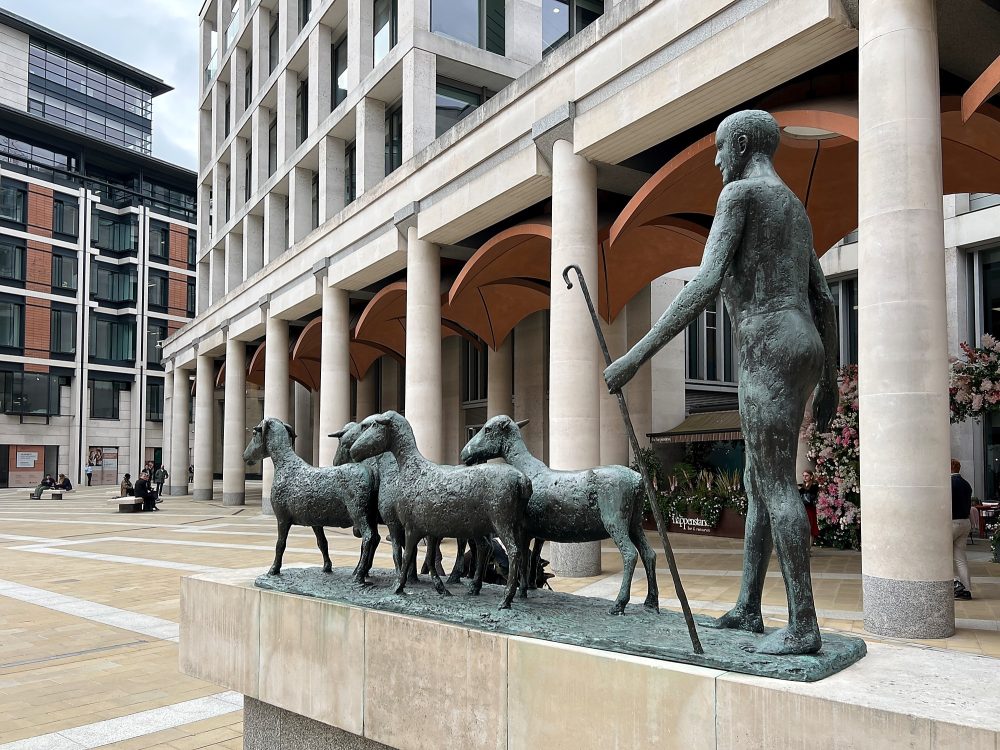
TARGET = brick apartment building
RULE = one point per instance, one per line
(97, 243)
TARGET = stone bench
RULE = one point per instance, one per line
(127, 504)
(53, 494)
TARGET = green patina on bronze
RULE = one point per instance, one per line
(574, 620)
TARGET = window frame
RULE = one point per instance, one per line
(482, 23)
(15, 342)
(393, 25)
(19, 214)
(57, 315)
(114, 406)
(20, 274)
(482, 93)
(393, 126)
(337, 95)
(60, 207)
(350, 173)
(162, 229)
(158, 280)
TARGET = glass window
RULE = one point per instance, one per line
(248, 84)
(154, 400)
(191, 298)
(458, 19)
(384, 27)
(273, 52)
(114, 284)
(305, 10)
(302, 112)
(350, 173)
(12, 203)
(393, 139)
(339, 57)
(31, 393)
(62, 339)
(12, 325)
(226, 114)
(192, 254)
(453, 104)
(159, 240)
(65, 216)
(112, 339)
(272, 145)
(248, 172)
(315, 200)
(155, 333)
(12, 260)
(104, 398)
(158, 290)
(117, 234)
(64, 272)
(477, 22)
(473, 372)
(561, 19)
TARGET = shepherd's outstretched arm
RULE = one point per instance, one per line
(727, 230)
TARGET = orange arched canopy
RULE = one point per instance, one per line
(656, 234)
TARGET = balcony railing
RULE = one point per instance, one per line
(232, 30)
(212, 68)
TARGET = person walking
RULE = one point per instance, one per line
(89, 471)
(159, 477)
(809, 490)
(961, 506)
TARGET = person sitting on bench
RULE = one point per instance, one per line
(46, 484)
(127, 485)
(64, 484)
(144, 492)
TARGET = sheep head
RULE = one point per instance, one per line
(347, 436)
(493, 440)
(266, 437)
(376, 436)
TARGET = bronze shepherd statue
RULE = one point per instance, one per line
(760, 256)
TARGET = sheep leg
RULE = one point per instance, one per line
(409, 558)
(456, 570)
(432, 550)
(324, 548)
(279, 548)
(369, 541)
(528, 572)
(648, 555)
(512, 542)
(533, 570)
(618, 532)
(482, 549)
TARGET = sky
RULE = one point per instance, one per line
(158, 36)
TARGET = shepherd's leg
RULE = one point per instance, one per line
(279, 547)
(324, 548)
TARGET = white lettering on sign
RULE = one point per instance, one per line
(698, 525)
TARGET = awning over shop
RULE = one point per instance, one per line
(702, 428)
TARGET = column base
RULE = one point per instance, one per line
(204, 494)
(267, 727)
(909, 609)
(576, 560)
(234, 498)
(177, 490)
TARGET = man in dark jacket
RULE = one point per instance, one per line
(144, 491)
(961, 506)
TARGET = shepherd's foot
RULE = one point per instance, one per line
(803, 639)
(740, 618)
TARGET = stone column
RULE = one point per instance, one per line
(530, 381)
(302, 404)
(451, 398)
(367, 401)
(500, 379)
(574, 396)
(640, 391)
(234, 436)
(614, 442)
(299, 204)
(253, 244)
(423, 343)
(419, 113)
(180, 445)
(667, 366)
(168, 422)
(204, 427)
(369, 144)
(275, 393)
(335, 371)
(331, 177)
(523, 31)
(902, 348)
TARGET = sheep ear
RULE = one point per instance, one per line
(522, 423)
(338, 434)
(382, 418)
(291, 432)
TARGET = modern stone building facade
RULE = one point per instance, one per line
(97, 243)
(388, 193)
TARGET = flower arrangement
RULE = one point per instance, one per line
(974, 387)
(703, 493)
(836, 454)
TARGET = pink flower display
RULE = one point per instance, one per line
(974, 386)
(836, 454)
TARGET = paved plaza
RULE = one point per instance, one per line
(89, 612)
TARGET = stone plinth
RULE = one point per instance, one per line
(326, 674)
